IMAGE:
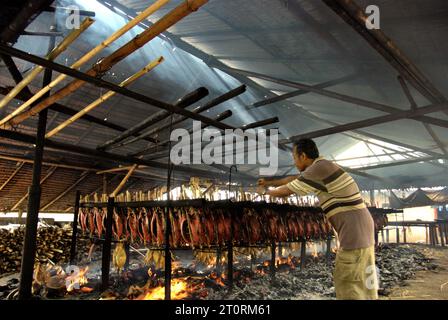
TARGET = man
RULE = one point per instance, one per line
(338, 194)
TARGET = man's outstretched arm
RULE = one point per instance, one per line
(276, 182)
(280, 192)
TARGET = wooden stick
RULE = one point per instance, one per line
(51, 56)
(123, 182)
(150, 10)
(105, 97)
(12, 176)
(115, 170)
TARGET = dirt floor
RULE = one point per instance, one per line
(428, 284)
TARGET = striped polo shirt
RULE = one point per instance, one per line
(341, 201)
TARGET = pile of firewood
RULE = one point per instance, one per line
(53, 245)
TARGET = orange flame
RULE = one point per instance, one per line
(179, 290)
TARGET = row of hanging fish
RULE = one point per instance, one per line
(208, 226)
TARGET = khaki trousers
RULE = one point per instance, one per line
(355, 276)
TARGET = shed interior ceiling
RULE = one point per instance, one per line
(302, 41)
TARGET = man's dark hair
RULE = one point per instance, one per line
(308, 147)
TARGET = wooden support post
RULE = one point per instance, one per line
(328, 253)
(128, 255)
(442, 242)
(376, 238)
(279, 249)
(445, 224)
(426, 234)
(75, 228)
(302, 255)
(230, 252)
(107, 245)
(387, 235)
(382, 235)
(32, 216)
(436, 235)
(272, 265)
(404, 235)
(167, 252)
(218, 261)
(398, 234)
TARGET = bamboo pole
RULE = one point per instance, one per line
(123, 182)
(60, 48)
(105, 97)
(146, 13)
(114, 170)
(107, 63)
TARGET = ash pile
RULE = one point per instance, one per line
(396, 264)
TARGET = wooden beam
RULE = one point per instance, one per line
(12, 175)
(103, 84)
(368, 122)
(338, 96)
(26, 94)
(105, 97)
(217, 101)
(299, 92)
(182, 103)
(52, 164)
(50, 144)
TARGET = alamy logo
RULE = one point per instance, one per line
(210, 146)
(373, 20)
(73, 21)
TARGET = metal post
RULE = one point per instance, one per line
(272, 265)
(107, 245)
(167, 221)
(218, 261)
(302, 255)
(127, 250)
(32, 217)
(75, 228)
(230, 252)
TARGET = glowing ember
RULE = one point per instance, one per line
(179, 291)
